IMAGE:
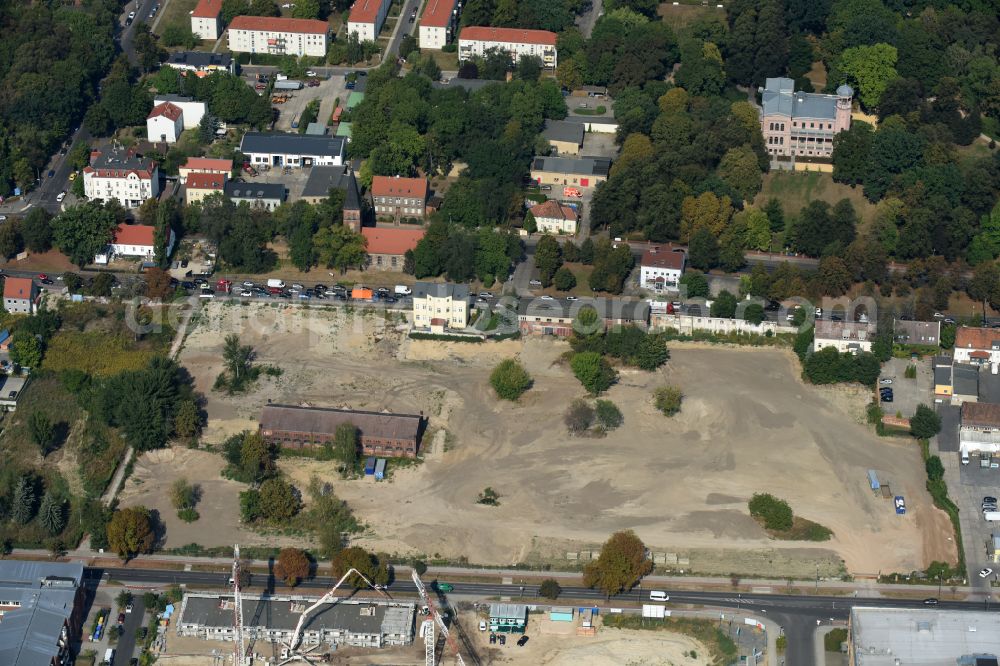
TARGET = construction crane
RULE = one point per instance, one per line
(429, 654)
(293, 644)
(240, 656)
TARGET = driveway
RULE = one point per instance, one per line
(975, 483)
(126, 641)
(907, 393)
(588, 19)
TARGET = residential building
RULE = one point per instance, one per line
(944, 384)
(582, 171)
(10, 391)
(20, 295)
(362, 623)
(206, 19)
(193, 111)
(604, 124)
(295, 150)
(922, 637)
(134, 240)
(800, 124)
(551, 217)
(164, 123)
(508, 618)
(977, 345)
(691, 322)
(387, 246)
(202, 63)
(437, 24)
(323, 179)
(123, 176)
(380, 433)
(258, 195)
(922, 333)
(537, 316)
(205, 165)
(844, 336)
(42, 609)
(279, 36)
(475, 41)
(566, 138)
(197, 186)
(965, 383)
(661, 268)
(399, 198)
(979, 428)
(440, 304)
(366, 18)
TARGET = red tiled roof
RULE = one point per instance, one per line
(364, 11)
(207, 9)
(659, 257)
(208, 164)
(553, 210)
(979, 354)
(437, 13)
(14, 287)
(205, 181)
(167, 110)
(508, 35)
(391, 241)
(969, 337)
(983, 414)
(272, 24)
(385, 186)
(134, 234)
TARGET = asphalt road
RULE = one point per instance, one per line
(404, 28)
(126, 641)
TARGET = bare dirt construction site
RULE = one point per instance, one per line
(747, 425)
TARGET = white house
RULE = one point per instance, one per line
(164, 123)
(980, 428)
(295, 150)
(192, 111)
(133, 240)
(551, 217)
(977, 345)
(844, 336)
(475, 41)
(122, 176)
(19, 295)
(440, 305)
(206, 19)
(279, 36)
(437, 23)
(367, 17)
(661, 268)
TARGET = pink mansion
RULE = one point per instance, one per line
(800, 124)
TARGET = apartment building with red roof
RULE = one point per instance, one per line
(279, 36)
(205, 165)
(198, 185)
(387, 246)
(206, 19)
(437, 24)
(977, 345)
(124, 176)
(475, 41)
(19, 295)
(399, 198)
(367, 17)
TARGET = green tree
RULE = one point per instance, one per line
(530, 225)
(621, 564)
(306, 9)
(292, 566)
(548, 258)
(934, 468)
(652, 352)
(773, 512)
(36, 229)
(925, 422)
(549, 589)
(24, 501)
(278, 500)
(339, 247)
(345, 442)
(130, 532)
(871, 67)
(668, 399)
(775, 214)
(52, 513)
(608, 415)
(183, 495)
(703, 250)
(26, 350)
(361, 561)
(740, 170)
(11, 241)
(564, 280)
(187, 423)
(754, 313)
(758, 230)
(696, 284)
(81, 232)
(724, 305)
(593, 371)
(237, 358)
(43, 431)
(510, 380)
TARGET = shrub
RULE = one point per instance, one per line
(608, 414)
(773, 512)
(593, 371)
(579, 416)
(510, 380)
(925, 423)
(188, 515)
(668, 399)
(911, 372)
(489, 497)
(564, 280)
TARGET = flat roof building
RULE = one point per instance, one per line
(41, 611)
(258, 195)
(909, 332)
(381, 433)
(581, 171)
(918, 637)
(294, 150)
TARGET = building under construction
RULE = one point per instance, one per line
(357, 623)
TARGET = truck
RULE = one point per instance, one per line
(572, 192)
(287, 85)
(225, 286)
(402, 290)
(277, 284)
(991, 516)
(362, 294)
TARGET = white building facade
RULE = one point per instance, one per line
(475, 41)
(551, 217)
(192, 111)
(279, 36)
(164, 123)
(123, 177)
(367, 17)
(844, 336)
(447, 303)
(437, 23)
(294, 150)
(206, 19)
(661, 268)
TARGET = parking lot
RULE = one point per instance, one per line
(327, 91)
(907, 393)
(599, 144)
(293, 179)
(976, 483)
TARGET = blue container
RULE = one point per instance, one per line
(370, 466)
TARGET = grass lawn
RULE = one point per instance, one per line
(599, 111)
(448, 62)
(582, 288)
(686, 13)
(177, 11)
(796, 189)
(45, 394)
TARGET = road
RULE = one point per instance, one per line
(126, 640)
(588, 19)
(402, 28)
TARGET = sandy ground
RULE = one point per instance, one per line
(748, 425)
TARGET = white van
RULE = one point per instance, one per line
(657, 595)
(965, 457)
(277, 284)
(402, 290)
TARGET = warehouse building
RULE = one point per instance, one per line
(915, 637)
(360, 623)
(41, 611)
(381, 433)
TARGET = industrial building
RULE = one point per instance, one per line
(915, 637)
(41, 611)
(360, 623)
(381, 433)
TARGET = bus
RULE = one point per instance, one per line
(335, 118)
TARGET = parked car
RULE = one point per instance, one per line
(985, 573)
(989, 500)
(900, 505)
(248, 284)
(312, 83)
(246, 293)
(885, 381)
(572, 298)
(535, 283)
(522, 641)
(546, 297)
(61, 196)
(482, 625)
(485, 294)
(938, 315)
(310, 73)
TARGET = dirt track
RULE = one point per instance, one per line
(747, 425)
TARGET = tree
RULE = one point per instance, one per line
(345, 444)
(72, 281)
(652, 352)
(187, 423)
(564, 280)
(668, 399)
(292, 566)
(25, 350)
(871, 67)
(278, 500)
(548, 258)
(81, 232)
(775, 214)
(934, 468)
(621, 564)
(306, 9)
(339, 247)
(183, 494)
(130, 532)
(774, 513)
(237, 358)
(549, 589)
(52, 513)
(724, 305)
(43, 432)
(102, 284)
(695, 283)
(357, 558)
(509, 379)
(703, 250)
(925, 422)
(24, 500)
(36, 230)
(11, 241)
(593, 371)
(740, 170)
(579, 416)
(157, 283)
(608, 415)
